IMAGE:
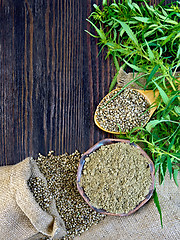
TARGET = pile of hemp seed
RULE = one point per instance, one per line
(122, 113)
(60, 173)
(116, 177)
(40, 192)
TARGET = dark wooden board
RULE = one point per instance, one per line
(51, 79)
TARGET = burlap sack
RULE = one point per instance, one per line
(145, 223)
(21, 217)
(123, 78)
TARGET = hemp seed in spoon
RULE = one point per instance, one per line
(124, 112)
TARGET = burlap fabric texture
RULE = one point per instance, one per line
(21, 217)
(124, 78)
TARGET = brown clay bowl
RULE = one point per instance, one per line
(94, 148)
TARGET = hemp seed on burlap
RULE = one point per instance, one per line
(60, 173)
(21, 217)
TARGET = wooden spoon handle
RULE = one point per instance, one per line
(150, 97)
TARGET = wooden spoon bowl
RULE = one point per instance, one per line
(93, 149)
(149, 95)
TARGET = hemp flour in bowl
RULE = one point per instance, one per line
(115, 177)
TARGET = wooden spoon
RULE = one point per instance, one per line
(149, 95)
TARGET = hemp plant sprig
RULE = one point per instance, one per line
(140, 36)
(146, 39)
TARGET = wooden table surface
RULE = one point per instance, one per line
(51, 79)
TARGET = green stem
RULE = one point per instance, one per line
(159, 149)
(170, 81)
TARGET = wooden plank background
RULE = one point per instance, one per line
(51, 79)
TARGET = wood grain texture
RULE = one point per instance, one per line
(50, 77)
